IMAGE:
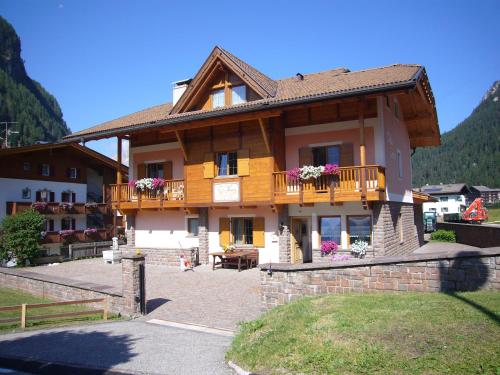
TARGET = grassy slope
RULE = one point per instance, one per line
(493, 214)
(379, 333)
(9, 297)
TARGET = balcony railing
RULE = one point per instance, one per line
(58, 208)
(351, 184)
(76, 236)
(171, 195)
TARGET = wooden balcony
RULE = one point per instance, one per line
(56, 208)
(352, 184)
(77, 236)
(125, 197)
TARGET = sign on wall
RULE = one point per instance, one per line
(226, 192)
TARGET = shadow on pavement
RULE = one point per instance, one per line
(67, 352)
(154, 303)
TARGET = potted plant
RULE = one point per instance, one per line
(66, 206)
(229, 248)
(329, 248)
(39, 206)
(358, 248)
(90, 232)
(91, 206)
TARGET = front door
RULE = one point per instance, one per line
(300, 240)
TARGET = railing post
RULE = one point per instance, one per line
(301, 193)
(23, 316)
(70, 251)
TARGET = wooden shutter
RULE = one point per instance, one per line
(52, 196)
(346, 155)
(38, 196)
(51, 225)
(73, 197)
(305, 156)
(209, 165)
(73, 224)
(168, 170)
(52, 170)
(224, 231)
(258, 232)
(68, 172)
(141, 171)
(243, 162)
(78, 173)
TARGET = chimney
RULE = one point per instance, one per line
(178, 89)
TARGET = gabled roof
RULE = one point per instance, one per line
(98, 157)
(220, 58)
(483, 189)
(444, 189)
(330, 84)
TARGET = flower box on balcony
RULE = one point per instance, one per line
(40, 207)
(66, 206)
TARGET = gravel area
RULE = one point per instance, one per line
(218, 299)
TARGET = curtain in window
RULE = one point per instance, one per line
(239, 94)
(222, 164)
(218, 98)
(330, 229)
(359, 228)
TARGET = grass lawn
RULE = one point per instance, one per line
(411, 333)
(9, 297)
(493, 214)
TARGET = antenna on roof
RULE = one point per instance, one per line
(300, 76)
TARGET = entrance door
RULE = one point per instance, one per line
(301, 249)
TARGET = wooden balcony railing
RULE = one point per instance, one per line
(127, 197)
(58, 208)
(351, 184)
(77, 236)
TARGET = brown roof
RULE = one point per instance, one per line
(331, 83)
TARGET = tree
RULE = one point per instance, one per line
(21, 235)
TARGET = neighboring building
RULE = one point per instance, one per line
(451, 198)
(226, 142)
(490, 196)
(65, 182)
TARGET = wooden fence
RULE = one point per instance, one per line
(87, 249)
(23, 310)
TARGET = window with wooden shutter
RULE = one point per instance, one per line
(224, 230)
(346, 155)
(258, 232)
(168, 170)
(209, 165)
(243, 162)
(141, 171)
(52, 197)
(73, 224)
(305, 156)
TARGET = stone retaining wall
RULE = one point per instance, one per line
(473, 270)
(484, 235)
(61, 289)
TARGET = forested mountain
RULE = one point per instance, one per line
(23, 100)
(469, 153)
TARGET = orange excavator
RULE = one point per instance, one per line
(476, 213)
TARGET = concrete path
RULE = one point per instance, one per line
(134, 347)
(443, 247)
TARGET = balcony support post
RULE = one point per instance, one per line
(362, 150)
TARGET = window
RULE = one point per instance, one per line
(400, 164)
(239, 94)
(330, 229)
(68, 196)
(360, 228)
(26, 193)
(45, 170)
(44, 196)
(388, 101)
(67, 223)
(432, 209)
(242, 231)
(227, 164)
(218, 98)
(192, 226)
(443, 199)
(49, 225)
(72, 173)
(326, 155)
(154, 170)
(26, 166)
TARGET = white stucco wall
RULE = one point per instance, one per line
(324, 209)
(454, 205)
(11, 191)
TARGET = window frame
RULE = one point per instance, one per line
(213, 93)
(70, 220)
(325, 148)
(45, 170)
(321, 232)
(26, 166)
(188, 227)
(348, 228)
(26, 190)
(233, 92)
(244, 234)
(158, 166)
(71, 175)
(228, 167)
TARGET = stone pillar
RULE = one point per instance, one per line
(203, 234)
(379, 212)
(284, 241)
(131, 284)
(130, 231)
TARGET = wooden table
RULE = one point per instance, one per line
(224, 256)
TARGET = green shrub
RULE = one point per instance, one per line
(21, 235)
(444, 235)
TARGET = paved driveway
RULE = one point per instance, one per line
(218, 299)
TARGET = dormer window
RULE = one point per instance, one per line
(218, 98)
(239, 94)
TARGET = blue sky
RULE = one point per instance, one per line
(104, 59)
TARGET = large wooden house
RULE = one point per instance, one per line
(225, 144)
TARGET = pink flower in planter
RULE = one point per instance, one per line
(90, 231)
(158, 183)
(131, 183)
(340, 257)
(39, 206)
(329, 247)
(331, 169)
(66, 233)
(293, 174)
